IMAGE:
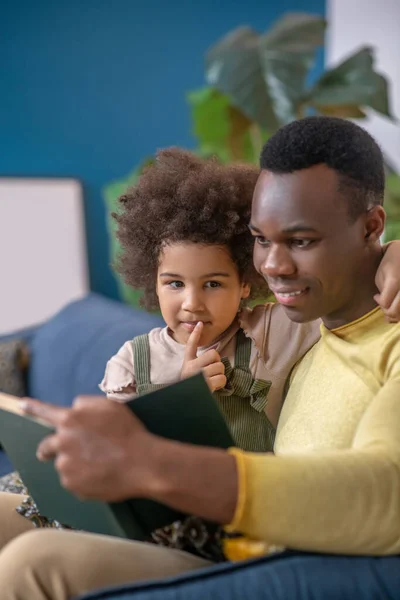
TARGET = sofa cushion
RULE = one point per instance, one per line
(13, 363)
(70, 351)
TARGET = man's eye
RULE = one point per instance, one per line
(300, 243)
(175, 284)
(262, 241)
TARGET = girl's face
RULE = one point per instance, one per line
(198, 283)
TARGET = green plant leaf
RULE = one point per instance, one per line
(111, 193)
(380, 100)
(353, 84)
(220, 128)
(392, 230)
(343, 111)
(209, 111)
(264, 76)
(287, 53)
(233, 66)
(392, 198)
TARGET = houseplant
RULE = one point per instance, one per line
(258, 82)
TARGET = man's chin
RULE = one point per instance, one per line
(298, 316)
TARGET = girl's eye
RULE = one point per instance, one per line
(175, 284)
(300, 243)
(213, 284)
(262, 241)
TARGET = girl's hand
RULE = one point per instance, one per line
(209, 362)
(388, 282)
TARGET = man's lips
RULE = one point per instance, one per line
(289, 296)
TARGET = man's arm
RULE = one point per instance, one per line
(196, 480)
(344, 501)
(341, 501)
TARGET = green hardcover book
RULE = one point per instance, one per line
(185, 411)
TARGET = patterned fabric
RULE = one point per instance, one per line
(195, 536)
(13, 361)
(29, 510)
(13, 484)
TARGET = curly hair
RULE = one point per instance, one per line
(341, 145)
(184, 198)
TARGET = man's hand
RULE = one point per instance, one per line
(102, 451)
(388, 282)
(209, 362)
(94, 446)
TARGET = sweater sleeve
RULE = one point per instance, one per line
(344, 501)
(119, 381)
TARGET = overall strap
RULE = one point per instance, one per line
(243, 349)
(141, 357)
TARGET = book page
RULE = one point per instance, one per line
(10, 403)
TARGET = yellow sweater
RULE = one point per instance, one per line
(334, 482)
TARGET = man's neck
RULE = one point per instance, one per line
(361, 300)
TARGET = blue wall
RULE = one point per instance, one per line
(89, 87)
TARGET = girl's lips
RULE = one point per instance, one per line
(190, 325)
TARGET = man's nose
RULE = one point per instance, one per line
(278, 262)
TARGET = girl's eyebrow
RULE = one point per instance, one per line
(177, 276)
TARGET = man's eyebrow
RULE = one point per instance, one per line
(292, 229)
(299, 227)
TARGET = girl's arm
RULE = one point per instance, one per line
(388, 281)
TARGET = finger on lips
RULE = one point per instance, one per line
(193, 342)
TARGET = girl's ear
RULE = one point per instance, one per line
(245, 291)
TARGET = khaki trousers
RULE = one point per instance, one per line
(39, 564)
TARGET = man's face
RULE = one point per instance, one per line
(306, 247)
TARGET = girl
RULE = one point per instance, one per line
(183, 230)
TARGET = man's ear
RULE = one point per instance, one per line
(374, 224)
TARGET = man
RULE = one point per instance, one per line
(333, 486)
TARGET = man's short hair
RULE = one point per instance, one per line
(341, 145)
